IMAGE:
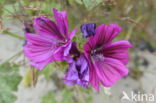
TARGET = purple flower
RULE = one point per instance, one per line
(51, 40)
(106, 59)
(78, 70)
(88, 29)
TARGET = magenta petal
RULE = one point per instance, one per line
(61, 21)
(39, 49)
(40, 65)
(94, 80)
(38, 40)
(71, 34)
(117, 50)
(104, 34)
(67, 48)
(63, 52)
(47, 28)
(109, 70)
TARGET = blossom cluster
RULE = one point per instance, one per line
(101, 61)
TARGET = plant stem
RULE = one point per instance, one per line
(13, 35)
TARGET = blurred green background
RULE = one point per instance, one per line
(137, 17)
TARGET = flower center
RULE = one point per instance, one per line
(96, 51)
(63, 42)
(97, 57)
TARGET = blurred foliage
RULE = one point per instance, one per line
(67, 96)
(48, 71)
(9, 80)
(137, 17)
(49, 98)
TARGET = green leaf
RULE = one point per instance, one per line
(9, 80)
(14, 35)
(9, 10)
(98, 1)
(90, 4)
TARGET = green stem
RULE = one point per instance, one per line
(13, 35)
